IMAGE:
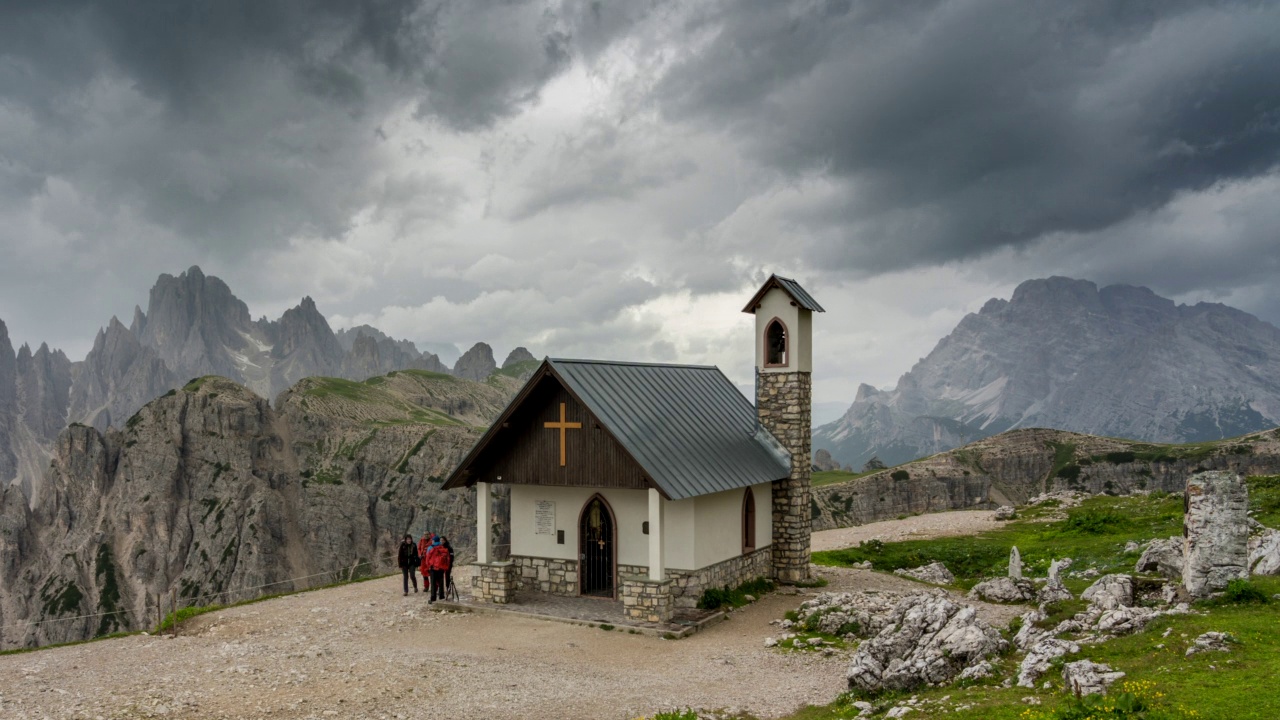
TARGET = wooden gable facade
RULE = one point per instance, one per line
(547, 436)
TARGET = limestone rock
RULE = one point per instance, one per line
(8, 407)
(1217, 532)
(1015, 563)
(1085, 677)
(1164, 557)
(934, 572)
(926, 638)
(1110, 592)
(1006, 512)
(1132, 547)
(1037, 661)
(476, 364)
(1029, 634)
(1211, 642)
(1004, 590)
(1264, 553)
(1054, 590)
(1125, 620)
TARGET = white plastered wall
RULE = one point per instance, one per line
(630, 509)
(777, 303)
(718, 524)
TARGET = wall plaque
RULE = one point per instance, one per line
(544, 517)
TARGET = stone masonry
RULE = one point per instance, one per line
(548, 575)
(495, 582)
(783, 401)
(646, 600)
(1216, 528)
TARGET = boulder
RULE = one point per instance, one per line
(1038, 659)
(1004, 590)
(926, 639)
(1030, 634)
(1110, 592)
(1217, 532)
(1006, 512)
(1125, 620)
(1211, 642)
(934, 572)
(1264, 553)
(1015, 563)
(1054, 590)
(1085, 677)
(1163, 557)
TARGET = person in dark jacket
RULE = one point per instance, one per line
(437, 562)
(448, 573)
(409, 563)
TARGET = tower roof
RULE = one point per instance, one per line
(798, 295)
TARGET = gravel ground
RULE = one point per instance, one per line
(916, 527)
(365, 651)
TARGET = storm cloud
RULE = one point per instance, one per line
(608, 179)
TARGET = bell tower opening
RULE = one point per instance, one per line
(776, 344)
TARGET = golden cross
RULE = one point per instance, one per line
(562, 426)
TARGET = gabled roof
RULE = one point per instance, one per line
(799, 295)
(690, 430)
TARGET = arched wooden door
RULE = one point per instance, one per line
(596, 549)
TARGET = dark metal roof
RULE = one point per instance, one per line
(788, 286)
(690, 429)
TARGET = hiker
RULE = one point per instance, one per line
(438, 562)
(448, 572)
(424, 547)
(409, 562)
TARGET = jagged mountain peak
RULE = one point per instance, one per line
(476, 363)
(518, 355)
(1062, 353)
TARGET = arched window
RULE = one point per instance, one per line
(775, 344)
(748, 522)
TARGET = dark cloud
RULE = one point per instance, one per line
(952, 128)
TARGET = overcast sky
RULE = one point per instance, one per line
(613, 179)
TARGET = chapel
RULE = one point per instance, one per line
(650, 483)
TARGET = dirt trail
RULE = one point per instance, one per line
(365, 651)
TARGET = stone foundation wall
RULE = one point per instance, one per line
(548, 575)
(783, 401)
(494, 582)
(688, 585)
(646, 600)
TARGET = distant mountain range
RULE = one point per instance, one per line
(1119, 362)
(194, 326)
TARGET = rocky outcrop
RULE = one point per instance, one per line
(8, 407)
(926, 639)
(518, 356)
(304, 346)
(1217, 531)
(1085, 677)
(43, 390)
(934, 572)
(1016, 466)
(1118, 361)
(1264, 552)
(476, 364)
(1040, 658)
(1110, 592)
(196, 325)
(212, 492)
(1162, 557)
(1004, 590)
(119, 376)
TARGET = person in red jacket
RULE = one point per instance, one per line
(438, 562)
(424, 547)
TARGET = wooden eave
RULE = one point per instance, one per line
(461, 476)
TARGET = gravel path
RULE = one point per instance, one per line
(365, 651)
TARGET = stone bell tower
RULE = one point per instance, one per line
(784, 400)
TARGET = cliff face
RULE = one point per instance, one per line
(194, 326)
(1120, 361)
(209, 490)
(1015, 466)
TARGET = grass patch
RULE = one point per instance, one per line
(327, 387)
(1264, 499)
(724, 597)
(1096, 536)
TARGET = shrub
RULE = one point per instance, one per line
(1244, 592)
(1091, 521)
(900, 475)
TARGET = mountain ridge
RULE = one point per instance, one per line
(1062, 353)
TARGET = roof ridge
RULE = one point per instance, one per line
(583, 361)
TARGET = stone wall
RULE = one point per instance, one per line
(1217, 532)
(783, 401)
(688, 585)
(494, 582)
(548, 575)
(560, 577)
(646, 600)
